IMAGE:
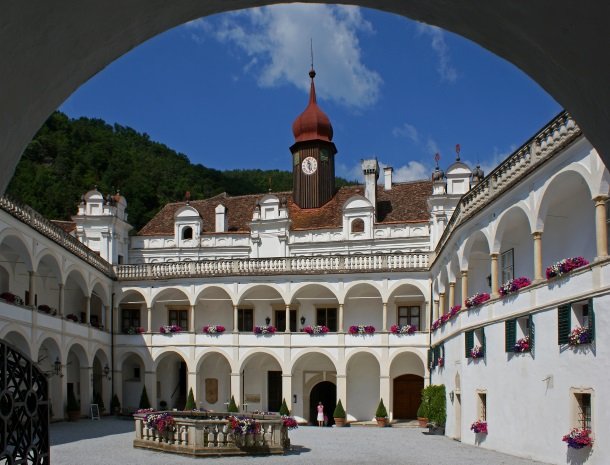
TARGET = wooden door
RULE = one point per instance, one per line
(407, 396)
(274, 391)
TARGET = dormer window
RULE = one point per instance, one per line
(357, 226)
(187, 233)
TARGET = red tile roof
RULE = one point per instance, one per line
(404, 203)
(67, 226)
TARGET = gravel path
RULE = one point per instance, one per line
(109, 441)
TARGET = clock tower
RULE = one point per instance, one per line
(313, 155)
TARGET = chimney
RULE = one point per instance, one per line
(387, 177)
(221, 218)
(370, 169)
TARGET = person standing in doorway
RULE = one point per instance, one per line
(320, 417)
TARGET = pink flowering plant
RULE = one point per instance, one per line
(403, 329)
(213, 329)
(361, 329)
(479, 427)
(579, 335)
(578, 438)
(446, 317)
(512, 286)
(522, 345)
(265, 329)
(161, 422)
(440, 362)
(315, 330)
(477, 299)
(240, 426)
(565, 266)
(476, 352)
(289, 422)
(170, 329)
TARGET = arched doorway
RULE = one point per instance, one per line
(325, 392)
(407, 396)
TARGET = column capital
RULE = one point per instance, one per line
(464, 272)
(494, 255)
(600, 199)
(451, 284)
(537, 235)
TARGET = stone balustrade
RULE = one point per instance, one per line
(275, 266)
(562, 130)
(207, 433)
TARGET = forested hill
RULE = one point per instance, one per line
(69, 156)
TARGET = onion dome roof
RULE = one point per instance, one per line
(312, 124)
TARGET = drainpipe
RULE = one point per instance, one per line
(112, 347)
(431, 312)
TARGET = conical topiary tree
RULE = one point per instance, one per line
(381, 410)
(144, 402)
(284, 408)
(190, 401)
(232, 406)
(115, 405)
(339, 411)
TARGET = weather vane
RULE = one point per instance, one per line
(457, 150)
(437, 157)
(311, 50)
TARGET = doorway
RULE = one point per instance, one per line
(325, 392)
(274, 391)
(458, 416)
(407, 396)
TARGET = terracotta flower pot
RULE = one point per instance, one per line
(382, 422)
(340, 422)
(423, 422)
(73, 415)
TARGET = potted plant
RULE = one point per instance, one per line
(339, 414)
(163, 405)
(381, 415)
(232, 408)
(190, 401)
(115, 405)
(422, 413)
(144, 402)
(284, 409)
(73, 407)
(437, 409)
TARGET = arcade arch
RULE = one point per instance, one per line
(407, 375)
(363, 375)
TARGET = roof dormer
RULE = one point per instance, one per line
(358, 218)
(188, 226)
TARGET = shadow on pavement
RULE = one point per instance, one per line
(65, 432)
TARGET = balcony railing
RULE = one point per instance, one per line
(36, 221)
(275, 266)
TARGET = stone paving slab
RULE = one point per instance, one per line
(109, 441)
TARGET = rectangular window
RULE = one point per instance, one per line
(583, 401)
(507, 264)
(245, 320)
(280, 320)
(178, 317)
(482, 406)
(409, 315)
(327, 317)
(575, 315)
(130, 318)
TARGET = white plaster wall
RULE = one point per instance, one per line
(214, 366)
(211, 312)
(255, 380)
(363, 386)
(363, 311)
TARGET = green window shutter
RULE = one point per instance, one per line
(429, 358)
(532, 333)
(483, 342)
(510, 335)
(436, 354)
(591, 320)
(563, 324)
(469, 342)
(443, 352)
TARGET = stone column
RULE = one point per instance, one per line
(235, 318)
(537, 256)
(192, 319)
(60, 300)
(340, 318)
(494, 274)
(287, 390)
(108, 318)
(451, 295)
(384, 317)
(150, 381)
(435, 310)
(287, 330)
(149, 319)
(601, 227)
(192, 382)
(88, 310)
(441, 303)
(31, 289)
(464, 286)
(384, 392)
(341, 391)
(116, 326)
(236, 389)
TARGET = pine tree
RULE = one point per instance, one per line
(144, 402)
(232, 406)
(190, 401)
(284, 408)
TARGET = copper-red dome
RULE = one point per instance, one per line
(312, 124)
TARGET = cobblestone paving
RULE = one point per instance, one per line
(109, 441)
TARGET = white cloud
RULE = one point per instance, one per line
(276, 41)
(432, 146)
(444, 67)
(406, 130)
(411, 171)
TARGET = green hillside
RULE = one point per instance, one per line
(69, 156)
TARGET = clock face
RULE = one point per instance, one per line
(309, 165)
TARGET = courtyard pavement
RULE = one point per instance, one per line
(109, 442)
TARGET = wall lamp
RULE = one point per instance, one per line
(302, 320)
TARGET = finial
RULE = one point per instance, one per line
(457, 150)
(312, 73)
(437, 157)
(269, 183)
(188, 196)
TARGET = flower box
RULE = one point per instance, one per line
(135, 330)
(522, 345)
(72, 317)
(403, 329)
(579, 335)
(265, 329)
(161, 422)
(446, 317)
(315, 329)
(356, 330)
(241, 426)
(564, 266)
(477, 352)
(479, 427)
(578, 438)
(289, 422)
(440, 362)
(170, 329)
(213, 329)
(477, 299)
(512, 286)
(11, 298)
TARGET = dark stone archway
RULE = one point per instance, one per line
(48, 49)
(325, 392)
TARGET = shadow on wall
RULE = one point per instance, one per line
(578, 456)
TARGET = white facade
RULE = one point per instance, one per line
(546, 202)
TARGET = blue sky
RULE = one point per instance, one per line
(225, 90)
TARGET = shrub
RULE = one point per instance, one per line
(115, 404)
(422, 410)
(144, 402)
(339, 411)
(284, 408)
(190, 401)
(73, 404)
(381, 410)
(98, 399)
(437, 408)
(232, 406)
